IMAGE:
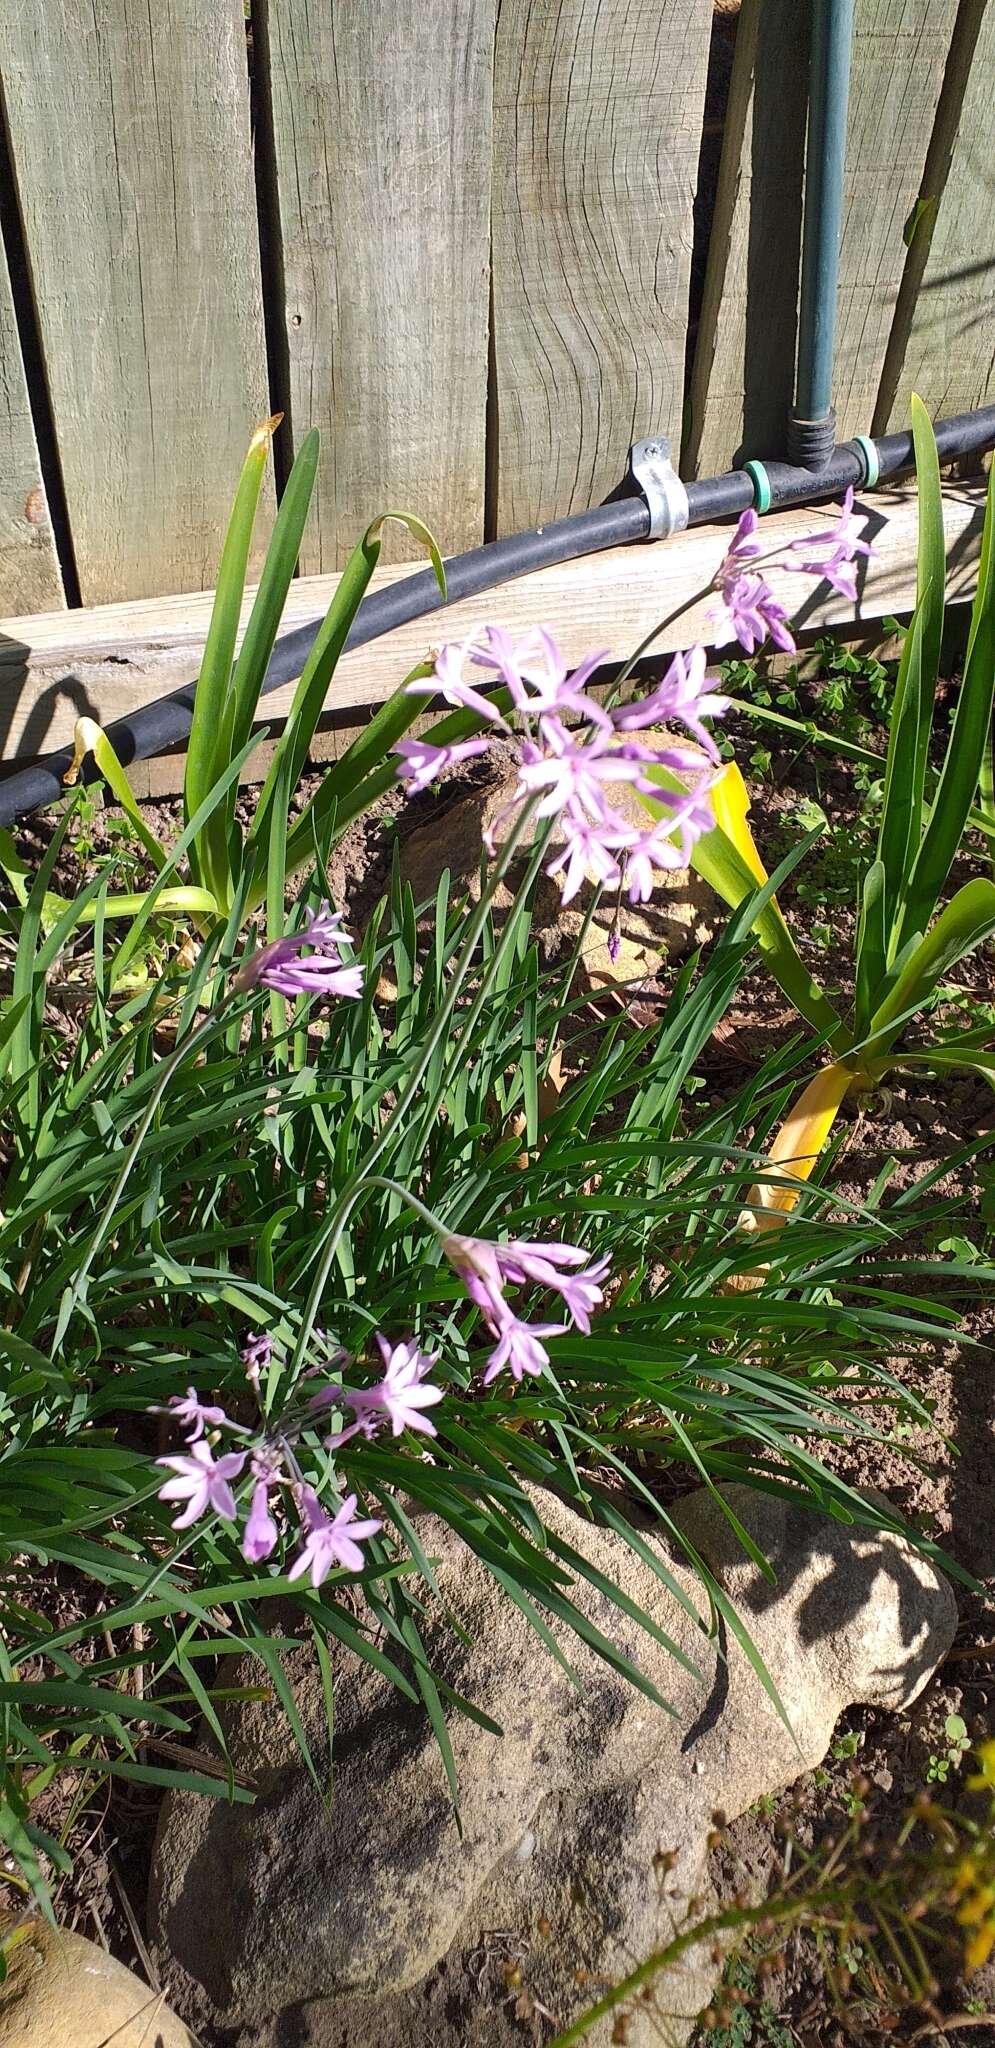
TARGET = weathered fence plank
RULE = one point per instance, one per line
(597, 130)
(943, 345)
(381, 128)
(29, 572)
(108, 661)
(129, 133)
(744, 368)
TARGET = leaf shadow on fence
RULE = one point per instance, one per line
(15, 682)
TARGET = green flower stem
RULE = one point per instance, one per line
(360, 1177)
(733, 1920)
(210, 1028)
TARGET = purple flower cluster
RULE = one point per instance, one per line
(204, 1482)
(572, 769)
(279, 966)
(487, 1268)
(748, 611)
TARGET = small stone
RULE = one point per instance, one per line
(62, 1991)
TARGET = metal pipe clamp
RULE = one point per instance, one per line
(654, 475)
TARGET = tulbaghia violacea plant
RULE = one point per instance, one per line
(271, 1456)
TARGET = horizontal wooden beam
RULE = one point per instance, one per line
(107, 661)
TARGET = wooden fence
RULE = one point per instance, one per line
(466, 238)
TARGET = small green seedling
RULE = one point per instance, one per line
(951, 1758)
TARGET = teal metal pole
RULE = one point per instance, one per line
(812, 422)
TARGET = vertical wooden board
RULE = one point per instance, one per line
(949, 354)
(743, 379)
(597, 130)
(129, 132)
(381, 129)
(29, 572)
(900, 50)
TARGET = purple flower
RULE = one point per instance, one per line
(203, 1481)
(192, 1412)
(402, 1393)
(542, 1263)
(570, 771)
(689, 819)
(279, 966)
(745, 545)
(400, 1397)
(422, 764)
(680, 694)
(485, 1267)
(836, 549)
(260, 1535)
(330, 1541)
(751, 614)
(256, 1355)
(582, 1293)
(519, 1348)
(588, 853)
(450, 683)
(532, 669)
(536, 674)
(475, 1259)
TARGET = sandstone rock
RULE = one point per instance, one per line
(353, 1903)
(62, 1991)
(682, 913)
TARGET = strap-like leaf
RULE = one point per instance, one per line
(961, 926)
(965, 749)
(871, 946)
(321, 663)
(211, 722)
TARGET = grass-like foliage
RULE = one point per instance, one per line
(218, 860)
(173, 1184)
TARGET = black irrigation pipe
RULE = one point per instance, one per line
(624, 519)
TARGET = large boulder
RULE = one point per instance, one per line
(62, 1991)
(353, 1901)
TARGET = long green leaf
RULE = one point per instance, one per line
(211, 726)
(961, 926)
(320, 666)
(915, 689)
(965, 749)
(901, 812)
(931, 570)
(271, 596)
(871, 954)
(722, 866)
